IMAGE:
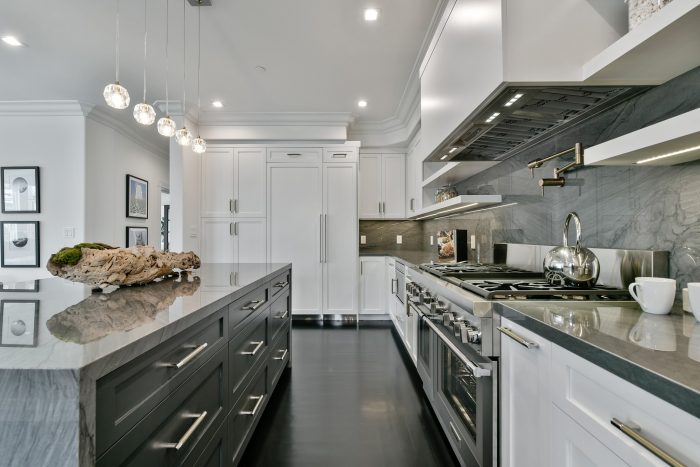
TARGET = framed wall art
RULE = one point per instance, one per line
(20, 188)
(19, 323)
(19, 244)
(136, 236)
(136, 197)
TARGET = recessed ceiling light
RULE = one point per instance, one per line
(12, 40)
(362, 103)
(493, 117)
(217, 104)
(371, 14)
(452, 150)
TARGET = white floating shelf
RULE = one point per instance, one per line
(678, 138)
(664, 46)
(455, 172)
(462, 203)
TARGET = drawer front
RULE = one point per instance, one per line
(245, 413)
(294, 155)
(279, 314)
(246, 350)
(129, 393)
(280, 283)
(214, 454)
(340, 155)
(279, 356)
(593, 397)
(180, 426)
(240, 310)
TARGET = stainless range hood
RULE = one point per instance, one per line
(517, 117)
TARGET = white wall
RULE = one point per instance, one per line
(185, 181)
(57, 145)
(110, 155)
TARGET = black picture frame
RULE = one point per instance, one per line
(35, 323)
(129, 212)
(128, 236)
(35, 287)
(3, 171)
(37, 245)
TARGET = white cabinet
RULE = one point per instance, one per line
(372, 285)
(294, 230)
(233, 241)
(382, 186)
(340, 237)
(525, 401)
(414, 178)
(233, 183)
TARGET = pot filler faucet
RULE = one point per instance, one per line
(558, 180)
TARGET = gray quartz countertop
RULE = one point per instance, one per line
(659, 353)
(75, 327)
(412, 257)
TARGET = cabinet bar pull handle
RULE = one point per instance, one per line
(393, 291)
(325, 238)
(455, 432)
(281, 285)
(231, 207)
(254, 305)
(320, 238)
(258, 344)
(257, 405)
(235, 205)
(383, 207)
(188, 358)
(293, 154)
(518, 339)
(339, 155)
(412, 200)
(188, 434)
(283, 315)
(230, 229)
(235, 228)
(284, 354)
(648, 445)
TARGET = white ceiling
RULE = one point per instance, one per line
(320, 55)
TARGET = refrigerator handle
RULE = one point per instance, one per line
(325, 238)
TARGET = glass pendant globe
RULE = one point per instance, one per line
(183, 136)
(116, 96)
(199, 145)
(166, 127)
(144, 114)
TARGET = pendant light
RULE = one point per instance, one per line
(183, 135)
(166, 125)
(199, 146)
(116, 95)
(143, 112)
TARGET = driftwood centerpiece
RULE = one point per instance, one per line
(103, 265)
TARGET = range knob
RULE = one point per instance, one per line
(447, 319)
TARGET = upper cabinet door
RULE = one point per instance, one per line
(370, 186)
(250, 175)
(217, 183)
(394, 186)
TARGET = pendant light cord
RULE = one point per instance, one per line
(167, 62)
(184, 57)
(145, 45)
(116, 52)
(199, 57)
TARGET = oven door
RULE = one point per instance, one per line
(465, 402)
(426, 354)
(400, 291)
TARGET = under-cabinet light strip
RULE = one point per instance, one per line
(670, 154)
(447, 210)
(478, 210)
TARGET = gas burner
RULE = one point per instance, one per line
(503, 289)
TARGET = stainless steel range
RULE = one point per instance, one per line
(458, 341)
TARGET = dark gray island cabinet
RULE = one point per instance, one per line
(173, 373)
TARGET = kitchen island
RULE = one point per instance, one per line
(171, 373)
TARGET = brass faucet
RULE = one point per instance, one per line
(558, 180)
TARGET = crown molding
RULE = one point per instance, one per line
(67, 108)
(223, 118)
(107, 118)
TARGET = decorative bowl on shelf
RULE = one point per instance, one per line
(445, 193)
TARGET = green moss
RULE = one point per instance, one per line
(71, 255)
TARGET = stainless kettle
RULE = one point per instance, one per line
(574, 266)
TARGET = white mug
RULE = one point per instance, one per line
(655, 295)
(694, 296)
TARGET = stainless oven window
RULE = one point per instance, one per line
(400, 285)
(424, 342)
(459, 386)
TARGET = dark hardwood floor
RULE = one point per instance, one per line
(350, 400)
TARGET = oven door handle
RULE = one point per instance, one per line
(475, 368)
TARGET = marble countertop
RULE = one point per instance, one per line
(659, 353)
(64, 325)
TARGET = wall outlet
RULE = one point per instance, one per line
(472, 240)
(363, 239)
(69, 232)
(399, 239)
(432, 240)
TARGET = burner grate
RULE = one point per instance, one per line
(499, 289)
